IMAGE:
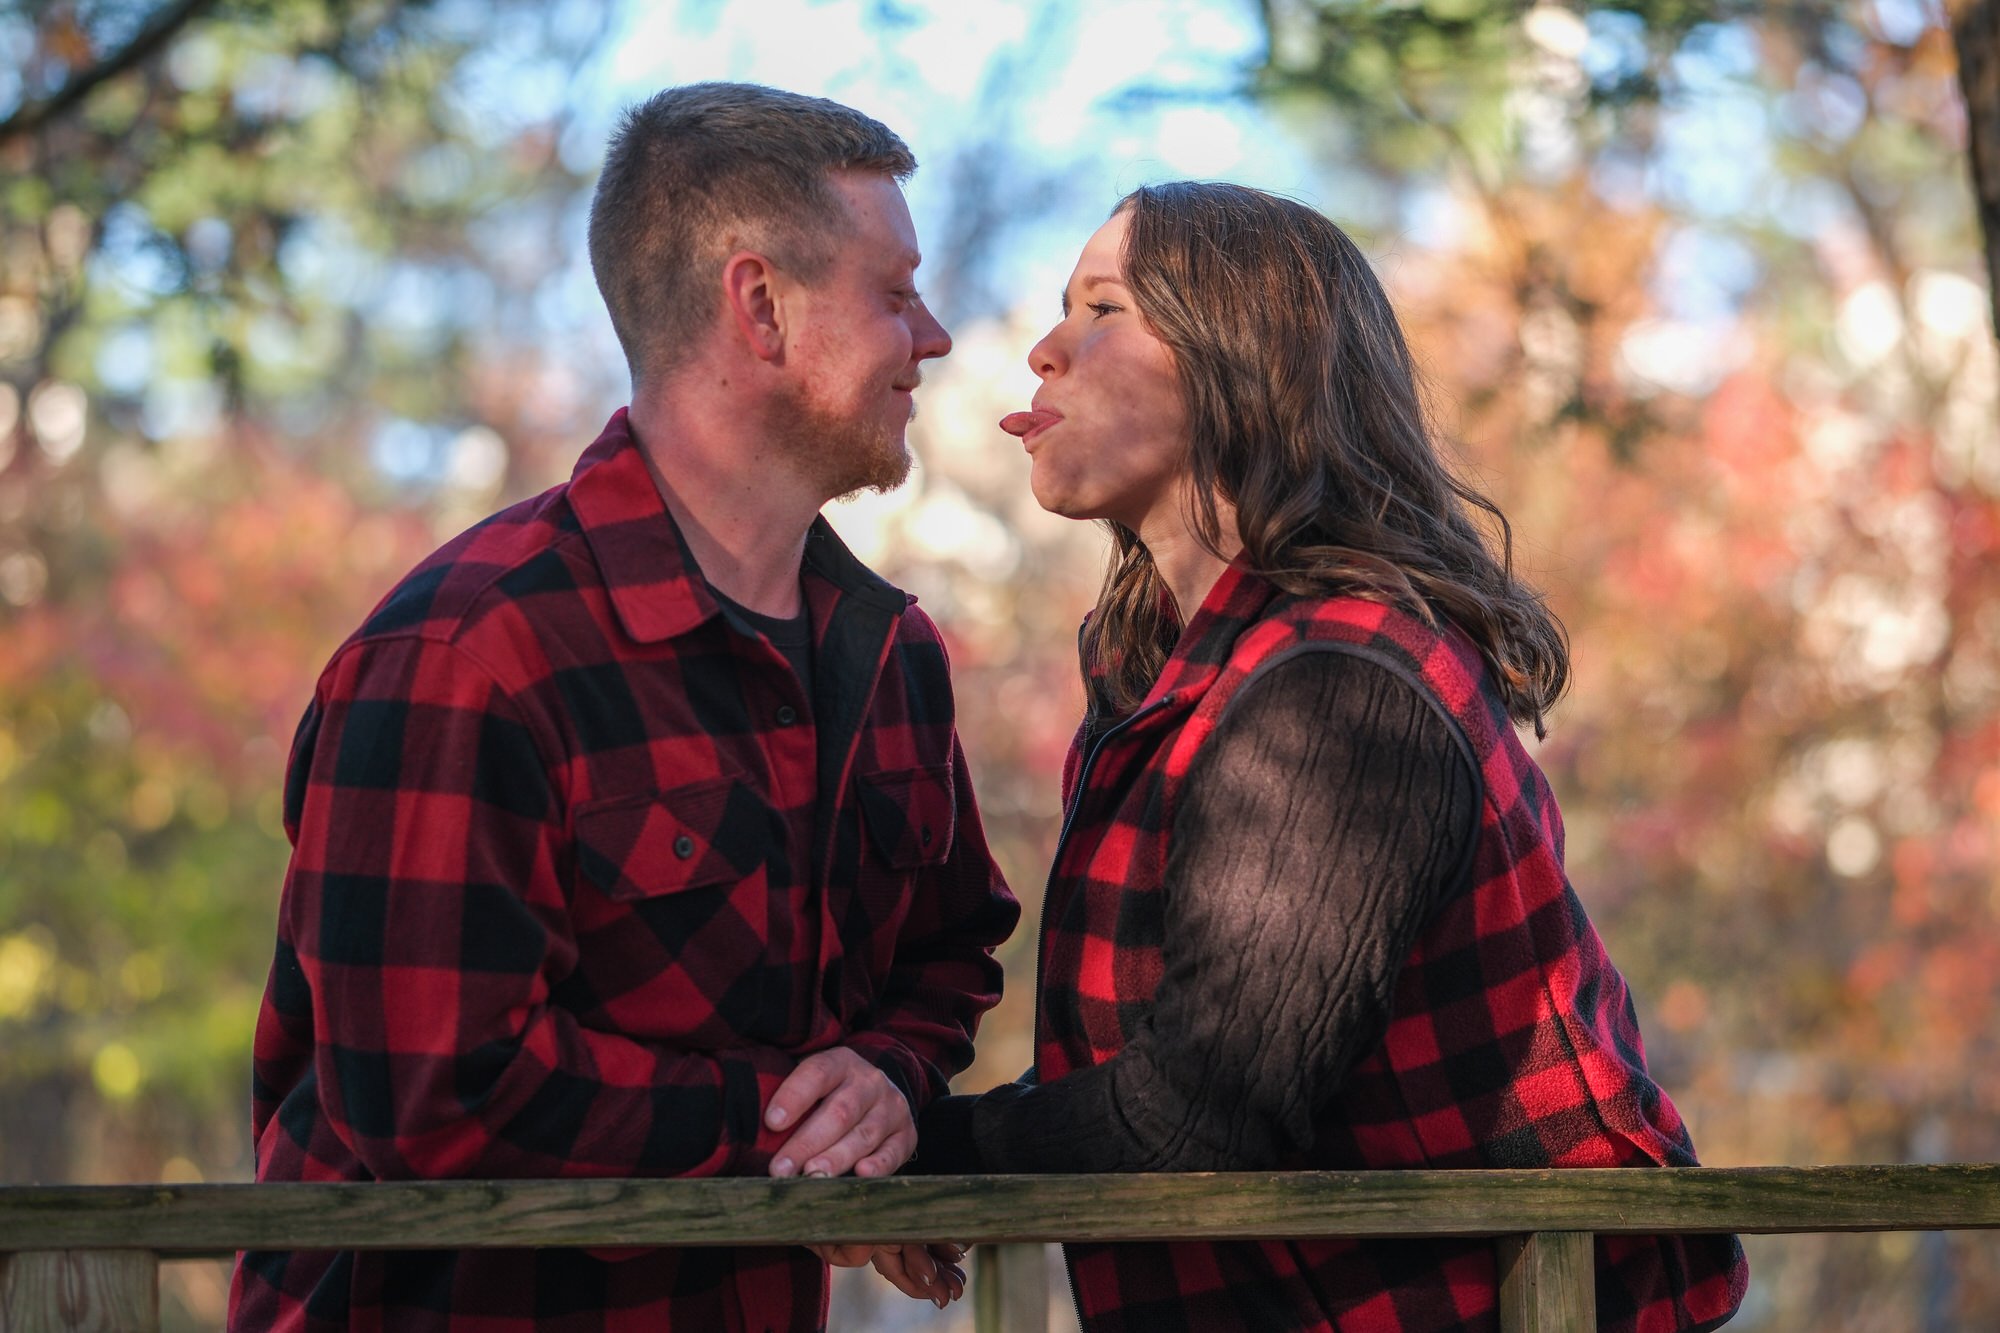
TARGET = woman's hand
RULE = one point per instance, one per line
(925, 1272)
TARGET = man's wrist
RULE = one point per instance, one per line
(896, 1063)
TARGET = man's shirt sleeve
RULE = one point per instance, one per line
(426, 913)
(945, 975)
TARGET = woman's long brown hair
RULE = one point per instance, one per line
(1304, 415)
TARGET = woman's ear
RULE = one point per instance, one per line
(750, 299)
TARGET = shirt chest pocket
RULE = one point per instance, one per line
(678, 945)
(651, 844)
(910, 813)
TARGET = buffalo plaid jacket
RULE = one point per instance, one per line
(579, 872)
(1511, 1039)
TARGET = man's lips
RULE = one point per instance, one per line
(1027, 425)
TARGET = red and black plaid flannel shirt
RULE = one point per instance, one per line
(1511, 1040)
(579, 872)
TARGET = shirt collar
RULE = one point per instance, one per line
(655, 586)
(827, 556)
(1236, 602)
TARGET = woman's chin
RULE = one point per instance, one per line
(1063, 506)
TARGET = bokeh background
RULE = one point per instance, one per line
(292, 291)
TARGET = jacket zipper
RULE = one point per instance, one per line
(1069, 815)
(1063, 839)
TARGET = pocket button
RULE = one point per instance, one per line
(684, 847)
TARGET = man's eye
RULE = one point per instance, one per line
(1101, 308)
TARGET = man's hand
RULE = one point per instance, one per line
(849, 1116)
(845, 1256)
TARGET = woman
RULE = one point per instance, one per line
(1308, 909)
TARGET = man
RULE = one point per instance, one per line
(631, 833)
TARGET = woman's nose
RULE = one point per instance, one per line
(1047, 358)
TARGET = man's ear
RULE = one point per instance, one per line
(750, 294)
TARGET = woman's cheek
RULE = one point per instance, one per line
(1042, 481)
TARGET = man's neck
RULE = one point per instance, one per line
(741, 509)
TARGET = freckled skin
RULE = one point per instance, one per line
(861, 334)
(1120, 450)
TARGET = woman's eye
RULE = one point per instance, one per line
(1100, 309)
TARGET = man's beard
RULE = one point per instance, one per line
(841, 456)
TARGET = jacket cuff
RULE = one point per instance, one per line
(946, 1145)
(894, 1059)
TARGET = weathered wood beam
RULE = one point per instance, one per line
(210, 1219)
(1548, 1282)
(1010, 1289)
(80, 1291)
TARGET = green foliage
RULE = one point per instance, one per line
(125, 881)
(199, 269)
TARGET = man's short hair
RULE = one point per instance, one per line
(691, 169)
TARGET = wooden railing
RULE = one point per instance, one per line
(86, 1258)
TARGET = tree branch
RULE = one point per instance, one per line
(32, 116)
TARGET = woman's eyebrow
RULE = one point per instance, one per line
(1086, 283)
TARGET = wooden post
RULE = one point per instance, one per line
(1010, 1289)
(1548, 1282)
(80, 1291)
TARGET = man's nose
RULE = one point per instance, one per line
(931, 338)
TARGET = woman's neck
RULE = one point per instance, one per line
(1188, 568)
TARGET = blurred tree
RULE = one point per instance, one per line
(291, 289)
(83, 66)
(1699, 288)
(251, 258)
(267, 276)
(1976, 32)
